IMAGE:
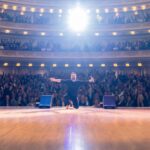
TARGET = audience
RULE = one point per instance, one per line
(130, 90)
(102, 18)
(45, 45)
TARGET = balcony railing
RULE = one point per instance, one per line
(117, 55)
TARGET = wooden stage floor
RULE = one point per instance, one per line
(83, 129)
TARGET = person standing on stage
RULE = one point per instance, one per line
(73, 85)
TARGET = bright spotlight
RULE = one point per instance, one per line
(78, 19)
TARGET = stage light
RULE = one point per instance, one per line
(90, 65)
(42, 65)
(5, 64)
(103, 65)
(23, 8)
(115, 65)
(127, 65)
(125, 9)
(5, 6)
(66, 65)
(149, 31)
(14, 7)
(43, 33)
(7, 31)
(30, 65)
(139, 64)
(18, 64)
(25, 32)
(77, 19)
(78, 65)
(54, 65)
(114, 33)
(132, 32)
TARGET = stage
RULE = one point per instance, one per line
(86, 128)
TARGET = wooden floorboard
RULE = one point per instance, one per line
(83, 129)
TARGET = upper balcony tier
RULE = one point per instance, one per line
(139, 56)
(56, 4)
(123, 29)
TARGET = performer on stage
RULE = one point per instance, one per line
(73, 85)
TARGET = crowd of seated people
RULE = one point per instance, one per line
(25, 89)
(102, 18)
(47, 45)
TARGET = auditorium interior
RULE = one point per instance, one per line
(105, 44)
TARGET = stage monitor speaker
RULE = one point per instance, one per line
(45, 101)
(109, 101)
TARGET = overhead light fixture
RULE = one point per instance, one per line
(97, 11)
(61, 34)
(60, 11)
(5, 64)
(115, 65)
(43, 33)
(90, 65)
(134, 8)
(66, 65)
(78, 34)
(22, 13)
(25, 32)
(139, 64)
(116, 10)
(5, 6)
(78, 65)
(136, 12)
(132, 32)
(42, 65)
(32, 9)
(54, 65)
(51, 10)
(106, 10)
(96, 34)
(143, 7)
(103, 65)
(88, 11)
(7, 31)
(23, 8)
(127, 65)
(125, 9)
(30, 65)
(18, 64)
(42, 10)
(114, 33)
(14, 7)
